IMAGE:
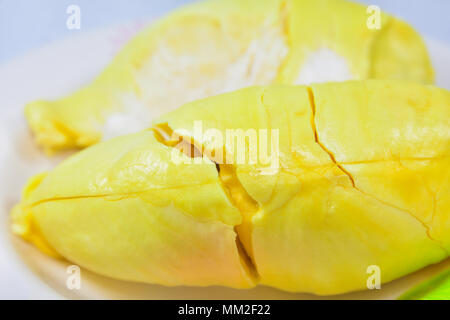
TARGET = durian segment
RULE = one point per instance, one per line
(216, 46)
(327, 232)
(124, 209)
(314, 231)
(349, 155)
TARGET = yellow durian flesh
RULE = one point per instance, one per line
(218, 46)
(123, 209)
(399, 155)
(370, 124)
(349, 155)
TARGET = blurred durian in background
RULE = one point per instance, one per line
(218, 46)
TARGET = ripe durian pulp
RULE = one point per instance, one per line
(363, 179)
(218, 46)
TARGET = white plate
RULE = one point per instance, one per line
(57, 70)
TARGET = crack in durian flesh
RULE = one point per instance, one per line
(233, 189)
(352, 179)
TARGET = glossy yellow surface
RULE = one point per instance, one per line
(222, 45)
(363, 180)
